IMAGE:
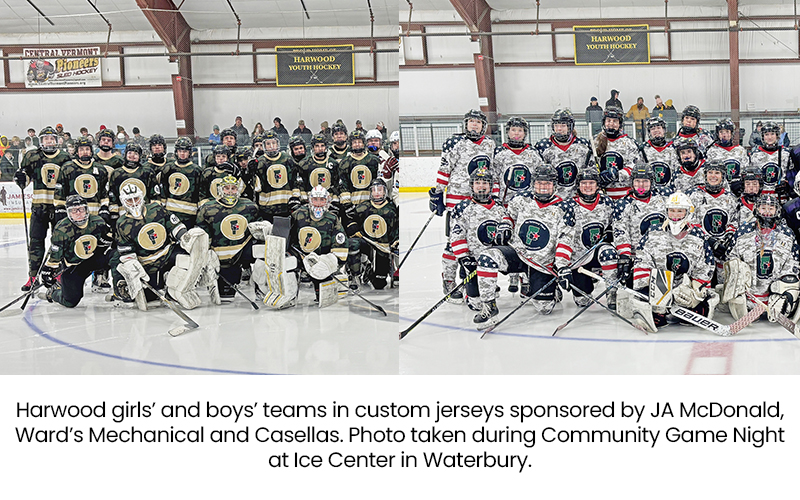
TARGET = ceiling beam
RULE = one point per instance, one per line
(175, 32)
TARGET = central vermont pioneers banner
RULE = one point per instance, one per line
(612, 44)
(314, 66)
(62, 67)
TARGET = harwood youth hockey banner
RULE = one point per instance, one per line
(315, 65)
(62, 67)
(612, 44)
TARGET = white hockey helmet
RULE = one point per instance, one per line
(132, 199)
(679, 201)
(395, 136)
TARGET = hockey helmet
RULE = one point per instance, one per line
(228, 132)
(475, 114)
(687, 143)
(768, 127)
(377, 191)
(338, 129)
(617, 114)
(588, 174)
(77, 210)
(132, 147)
(714, 166)
(357, 135)
(484, 176)
(562, 115)
(543, 175)
(767, 210)
(676, 221)
(106, 145)
(516, 121)
(50, 145)
(84, 142)
(183, 144)
(643, 172)
(374, 140)
(221, 149)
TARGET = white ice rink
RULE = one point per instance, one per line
(99, 338)
(595, 343)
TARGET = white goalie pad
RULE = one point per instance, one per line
(209, 275)
(713, 301)
(328, 293)
(321, 267)
(195, 239)
(737, 307)
(275, 271)
(738, 279)
(783, 297)
(638, 311)
(260, 230)
(134, 273)
(183, 277)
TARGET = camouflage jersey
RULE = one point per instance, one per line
(567, 159)
(663, 160)
(209, 184)
(211, 160)
(73, 245)
(180, 190)
(315, 173)
(689, 257)
(543, 232)
(473, 226)
(703, 139)
(158, 168)
(773, 165)
(513, 170)
(688, 179)
(88, 181)
(143, 176)
(714, 214)
(337, 154)
(43, 170)
(734, 158)
(592, 220)
(322, 236)
(149, 237)
(379, 224)
(355, 175)
(227, 227)
(276, 183)
(633, 218)
(770, 256)
(110, 164)
(453, 173)
(621, 154)
(744, 212)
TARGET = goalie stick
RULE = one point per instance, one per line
(178, 330)
(408, 252)
(358, 294)
(782, 320)
(436, 306)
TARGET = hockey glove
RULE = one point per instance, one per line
(565, 278)
(782, 297)
(436, 203)
(294, 204)
(350, 212)
(260, 229)
(469, 263)
(20, 179)
(624, 266)
(503, 235)
(321, 267)
(737, 186)
(390, 167)
(720, 245)
(784, 190)
(48, 276)
(689, 295)
(59, 213)
(104, 214)
(608, 175)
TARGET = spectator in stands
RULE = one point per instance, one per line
(281, 132)
(594, 116)
(639, 113)
(29, 143)
(214, 138)
(85, 133)
(303, 132)
(4, 144)
(755, 137)
(121, 130)
(242, 135)
(380, 127)
(139, 139)
(614, 101)
(257, 130)
(325, 130)
(32, 136)
(659, 105)
(669, 105)
(60, 130)
(7, 167)
(359, 126)
(741, 136)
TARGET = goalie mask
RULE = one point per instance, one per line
(679, 211)
(48, 140)
(516, 132)
(228, 190)
(77, 210)
(377, 191)
(319, 201)
(374, 140)
(132, 199)
(767, 211)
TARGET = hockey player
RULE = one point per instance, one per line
(461, 154)
(83, 177)
(515, 161)
(634, 215)
(152, 243)
(386, 161)
(567, 153)
(225, 220)
(593, 213)
(297, 148)
(338, 149)
(764, 259)
(212, 175)
(680, 248)
(690, 173)
(81, 243)
(181, 184)
(106, 157)
(158, 154)
(131, 171)
(245, 159)
(390, 171)
(619, 154)
(690, 128)
(477, 224)
(544, 228)
(734, 157)
(277, 177)
(751, 180)
(356, 172)
(228, 138)
(772, 159)
(319, 169)
(660, 156)
(41, 167)
(374, 232)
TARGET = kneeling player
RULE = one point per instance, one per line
(80, 242)
(374, 232)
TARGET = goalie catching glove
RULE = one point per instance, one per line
(783, 296)
(321, 267)
(689, 295)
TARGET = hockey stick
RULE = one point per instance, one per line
(236, 288)
(358, 294)
(36, 278)
(408, 252)
(436, 306)
(190, 324)
(782, 320)
(583, 310)
(25, 220)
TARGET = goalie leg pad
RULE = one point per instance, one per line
(183, 277)
(738, 279)
(738, 307)
(194, 240)
(783, 297)
(280, 283)
(133, 272)
(328, 293)
(638, 311)
(661, 292)
(713, 300)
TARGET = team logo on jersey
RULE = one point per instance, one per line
(715, 221)
(534, 235)
(49, 174)
(152, 236)
(178, 184)
(234, 227)
(136, 182)
(678, 263)
(733, 169)
(611, 163)
(487, 231)
(309, 238)
(518, 177)
(277, 176)
(320, 177)
(591, 234)
(566, 171)
(771, 173)
(651, 221)
(86, 186)
(479, 162)
(661, 172)
(361, 177)
(375, 226)
(765, 264)
(85, 246)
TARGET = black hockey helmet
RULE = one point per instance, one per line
(377, 191)
(338, 127)
(653, 122)
(514, 121)
(156, 139)
(482, 173)
(693, 112)
(475, 114)
(754, 174)
(562, 115)
(183, 143)
(767, 200)
(588, 174)
(356, 135)
(725, 124)
(642, 171)
(84, 142)
(717, 166)
(684, 143)
(296, 140)
(132, 146)
(242, 154)
(76, 201)
(770, 126)
(221, 149)
(227, 132)
(48, 132)
(318, 139)
(106, 133)
(545, 173)
(616, 113)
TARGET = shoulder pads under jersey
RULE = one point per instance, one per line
(542, 145)
(451, 142)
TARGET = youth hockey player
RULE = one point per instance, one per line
(660, 156)
(690, 128)
(733, 157)
(106, 156)
(515, 161)
(567, 153)
(180, 184)
(80, 245)
(40, 166)
(373, 232)
(297, 148)
(338, 149)
(158, 154)
(85, 178)
(619, 154)
(131, 171)
(228, 138)
(211, 176)
(277, 177)
(751, 180)
(319, 169)
(390, 171)
(690, 174)
(356, 172)
(773, 160)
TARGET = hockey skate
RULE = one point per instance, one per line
(513, 283)
(611, 300)
(456, 297)
(486, 318)
(246, 273)
(100, 282)
(32, 282)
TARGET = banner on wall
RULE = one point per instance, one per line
(316, 65)
(612, 44)
(62, 67)
(11, 198)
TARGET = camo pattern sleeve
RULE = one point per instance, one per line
(473, 226)
(73, 245)
(770, 256)
(322, 236)
(149, 237)
(43, 171)
(89, 182)
(454, 169)
(377, 223)
(227, 227)
(355, 175)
